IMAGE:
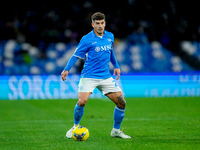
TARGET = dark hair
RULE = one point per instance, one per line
(98, 16)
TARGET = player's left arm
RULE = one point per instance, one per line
(115, 64)
(118, 72)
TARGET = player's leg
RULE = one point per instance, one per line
(86, 87)
(119, 111)
(111, 89)
(79, 110)
(118, 99)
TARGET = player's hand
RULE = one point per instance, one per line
(117, 71)
(64, 74)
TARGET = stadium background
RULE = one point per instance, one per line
(156, 45)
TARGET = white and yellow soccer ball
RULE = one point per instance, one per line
(80, 133)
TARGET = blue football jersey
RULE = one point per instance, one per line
(97, 52)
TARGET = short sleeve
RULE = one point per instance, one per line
(81, 49)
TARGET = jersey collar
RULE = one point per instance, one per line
(94, 35)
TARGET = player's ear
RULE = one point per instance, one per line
(92, 24)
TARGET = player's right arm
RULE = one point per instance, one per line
(69, 65)
(79, 53)
(64, 74)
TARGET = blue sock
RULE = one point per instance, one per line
(118, 117)
(78, 113)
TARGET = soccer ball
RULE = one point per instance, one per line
(80, 133)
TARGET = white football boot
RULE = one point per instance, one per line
(119, 134)
(69, 133)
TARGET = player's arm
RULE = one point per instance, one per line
(115, 64)
(79, 53)
(69, 65)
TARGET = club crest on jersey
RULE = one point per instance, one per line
(109, 40)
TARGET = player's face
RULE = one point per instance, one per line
(99, 26)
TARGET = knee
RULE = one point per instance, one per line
(83, 98)
(123, 105)
(82, 102)
(121, 102)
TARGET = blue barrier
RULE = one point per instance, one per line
(138, 85)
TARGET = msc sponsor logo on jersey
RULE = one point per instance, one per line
(97, 49)
(103, 48)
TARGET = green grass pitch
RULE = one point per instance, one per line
(153, 123)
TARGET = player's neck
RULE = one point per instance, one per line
(99, 34)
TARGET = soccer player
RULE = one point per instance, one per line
(97, 49)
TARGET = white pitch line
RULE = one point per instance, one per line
(100, 119)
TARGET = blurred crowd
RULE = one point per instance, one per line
(68, 21)
(41, 23)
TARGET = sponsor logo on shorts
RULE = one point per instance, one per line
(116, 85)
